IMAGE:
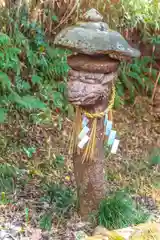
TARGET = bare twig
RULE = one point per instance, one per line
(70, 13)
(155, 86)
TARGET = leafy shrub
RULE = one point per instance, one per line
(143, 17)
(139, 14)
(32, 72)
(136, 78)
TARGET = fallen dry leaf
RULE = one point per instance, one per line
(36, 234)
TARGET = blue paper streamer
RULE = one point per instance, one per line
(111, 137)
(108, 127)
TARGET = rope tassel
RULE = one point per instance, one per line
(79, 137)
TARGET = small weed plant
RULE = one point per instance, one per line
(61, 200)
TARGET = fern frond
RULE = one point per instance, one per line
(4, 39)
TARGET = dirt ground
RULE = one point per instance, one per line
(130, 168)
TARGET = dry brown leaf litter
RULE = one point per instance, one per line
(139, 134)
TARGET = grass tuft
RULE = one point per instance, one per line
(119, 211)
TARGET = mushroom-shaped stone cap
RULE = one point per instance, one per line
(93, 37)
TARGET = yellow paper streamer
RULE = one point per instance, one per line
(77, 125)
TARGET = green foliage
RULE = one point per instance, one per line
(3, 113)
(61, 200)
(59, 161)
(26, 215)
(118, 101)
(155, 157)
(107, 149)
(45, 222)
(119, 211)
(32, 71)
(8, 175)
(3, 199)
(143, 15)
(157, 185)
(29, 151)
(155, 39)
(137, 78)
(61, 197)
(139, 14)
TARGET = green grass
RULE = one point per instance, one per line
(155, 157)
(119, 211)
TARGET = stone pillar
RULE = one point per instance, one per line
(89, 86)
(94, 70)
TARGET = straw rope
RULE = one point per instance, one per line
(77, 125)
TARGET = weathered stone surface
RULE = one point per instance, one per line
(90, 174)
(100, 64)
(145, 231)
(86, 88)
(116, 56)
(94, 25)
(94, 41)
(92, 15)
(94, 38)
